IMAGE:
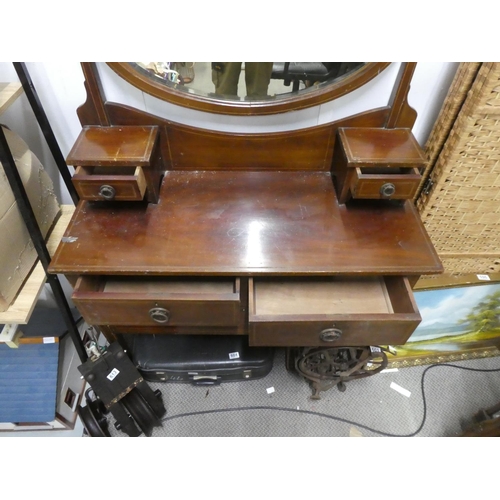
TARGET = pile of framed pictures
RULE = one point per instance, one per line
(460, 320)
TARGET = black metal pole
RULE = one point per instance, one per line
(36, 105)
(16, 184)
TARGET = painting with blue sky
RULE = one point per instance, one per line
(455, 319)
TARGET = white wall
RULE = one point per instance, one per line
(60, 88)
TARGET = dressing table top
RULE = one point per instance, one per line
(246, 223)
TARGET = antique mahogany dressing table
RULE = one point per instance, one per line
(304, 238)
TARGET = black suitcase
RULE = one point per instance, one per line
(198, 359)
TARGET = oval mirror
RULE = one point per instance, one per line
(247, 88)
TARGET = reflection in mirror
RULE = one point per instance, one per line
(235, 81)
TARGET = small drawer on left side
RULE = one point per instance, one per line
(110, 183)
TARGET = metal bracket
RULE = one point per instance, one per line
(428, 185)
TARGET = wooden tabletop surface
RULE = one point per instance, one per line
(246, 223)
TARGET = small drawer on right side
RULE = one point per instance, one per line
(397, 183)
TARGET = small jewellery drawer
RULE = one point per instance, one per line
(335, 311)
(158, 301)
(392, 183)
(110, 183)
(376, 163)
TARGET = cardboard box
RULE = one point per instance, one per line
(17, 253)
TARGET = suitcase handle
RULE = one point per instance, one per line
(205, 380)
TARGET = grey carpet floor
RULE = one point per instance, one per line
(280, 404)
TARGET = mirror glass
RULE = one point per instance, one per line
(247, 88)
(239, 81)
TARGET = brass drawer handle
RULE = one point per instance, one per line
(107, 192)
(159, 314)
(330, 334)
(387, 189)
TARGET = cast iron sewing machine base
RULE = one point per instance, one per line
(325, 368)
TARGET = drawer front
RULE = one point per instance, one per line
(386, 186)
(152, 302)
(334, 333)
(129, 185)
(331, 312)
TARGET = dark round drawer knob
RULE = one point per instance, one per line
(107, 192)
(387, 189)
(330, 334)
(159, 314)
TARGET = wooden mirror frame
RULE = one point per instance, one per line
(263, 107)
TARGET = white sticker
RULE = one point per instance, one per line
(483, 277)
(353, 432)
(75, 402)
(398, 388)
(49, 340)
(389, 370)
(375, 349)
(113, 373)
(234, 355)
(270, 390)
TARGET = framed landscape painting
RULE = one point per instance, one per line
(458, 322)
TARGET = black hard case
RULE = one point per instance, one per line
(198, 359)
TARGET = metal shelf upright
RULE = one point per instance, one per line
(25, 208)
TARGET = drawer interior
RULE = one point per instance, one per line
(170, 285)
(330, 296)
(362, 171)
(107, 171)
(150, 285)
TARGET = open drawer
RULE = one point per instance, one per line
(110, 183)
(390, 183)
(331, 311)
(158, 301)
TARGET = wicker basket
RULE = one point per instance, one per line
(462, 210)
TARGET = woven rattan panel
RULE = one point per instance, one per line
(460, 86)
(462, 210)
